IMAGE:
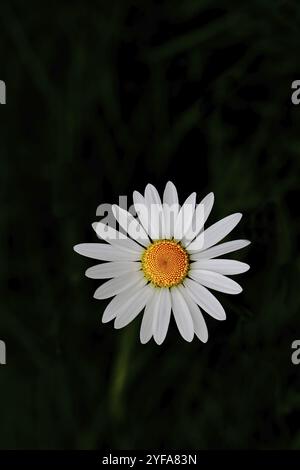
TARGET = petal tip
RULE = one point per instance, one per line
(159, 341)
(189, 339)
(87, 272)
(170, 183)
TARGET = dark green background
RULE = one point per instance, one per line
(102, 98)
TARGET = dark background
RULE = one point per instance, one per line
(102, 98)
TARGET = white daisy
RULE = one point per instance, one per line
(163, 261)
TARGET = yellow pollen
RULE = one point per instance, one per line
(165, 263)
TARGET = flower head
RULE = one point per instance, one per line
(165, 263)
(163, 260)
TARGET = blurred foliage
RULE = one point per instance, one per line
(102, 98)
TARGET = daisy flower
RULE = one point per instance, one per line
(163, 261)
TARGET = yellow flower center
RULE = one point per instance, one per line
(165, 263)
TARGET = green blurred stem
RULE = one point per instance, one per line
(120, 374)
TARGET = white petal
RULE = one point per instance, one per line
(105, 252)
(205, 299)
(155, 210)
(200, 327)
(220, 250)
(171, 208)
(116, 238)
(185, 216)
(118, 302)
(141, 209)
(222, 266)
(170, 194)
(215, 232)
(146, 331)
(200, 216)
(170, 217)
(106, 232)
(133, 307)
(112, 269)
(163, 316)
(207, 203)
(117, 285)
(216, 281)
(182, 315)
(130, 225)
